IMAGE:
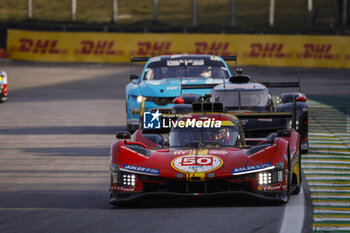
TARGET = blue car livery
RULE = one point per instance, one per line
(166, 77)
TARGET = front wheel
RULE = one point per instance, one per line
(286, 193)
(297, 187)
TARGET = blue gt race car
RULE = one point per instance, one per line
(166, 77)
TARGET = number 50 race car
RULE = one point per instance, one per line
(204, 154)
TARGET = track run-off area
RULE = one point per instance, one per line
(60, 120)
(327, 167)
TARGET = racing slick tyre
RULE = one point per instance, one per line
(286, 193)
(3, 98)
(305, 150)
(297, 187)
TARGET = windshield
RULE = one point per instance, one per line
(240, 99)
(186, 68)
(203, 137)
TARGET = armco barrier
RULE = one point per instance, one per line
(264, 50)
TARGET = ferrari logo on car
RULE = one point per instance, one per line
(196, 163)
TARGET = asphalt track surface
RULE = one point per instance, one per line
(55, 133)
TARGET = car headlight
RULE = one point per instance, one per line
(123, 178)
(139, 98)
(269, 178)
(115, 178)
(128, 179)
(3, 76)
(272, 177)
(297, 125)
(265, 178)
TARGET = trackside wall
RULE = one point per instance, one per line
(262, 50)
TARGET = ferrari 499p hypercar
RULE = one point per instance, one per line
(204, 154)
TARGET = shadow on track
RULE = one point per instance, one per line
(198, 202)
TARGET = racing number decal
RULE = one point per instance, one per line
(196, 163)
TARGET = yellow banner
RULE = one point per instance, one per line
(264, 50)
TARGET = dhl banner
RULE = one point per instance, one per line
(263, 50)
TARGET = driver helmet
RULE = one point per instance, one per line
(206, 73)
(222, 136)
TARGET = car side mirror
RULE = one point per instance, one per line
(122, 135)
(133, 77)
(283, 133)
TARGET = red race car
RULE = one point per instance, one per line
(204, 154)
(3, 86)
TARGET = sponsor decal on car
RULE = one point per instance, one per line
(138, 169)
(182, 152)
(261, 151)
(124, 189)
(265, 119)
(178, 62)
(217, 152)
(269, 188)
(251, 168)
(135, 152)
(173, 88)
(196, 163)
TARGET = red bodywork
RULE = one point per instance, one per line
(193, 171)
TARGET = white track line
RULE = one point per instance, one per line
(293, 218)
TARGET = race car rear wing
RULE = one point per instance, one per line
(283, 84)
(256, 115)
(260, 125)
(139, 59)
(229, 58)
(143, 59)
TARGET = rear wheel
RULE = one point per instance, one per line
(305, 147)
